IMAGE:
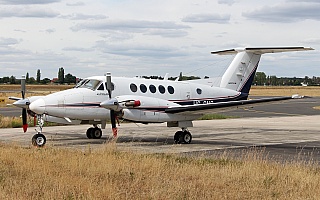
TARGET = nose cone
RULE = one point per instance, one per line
(38, 106)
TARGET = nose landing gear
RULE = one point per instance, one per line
(39, 140)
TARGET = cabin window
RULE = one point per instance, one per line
(199, 91)
(152, 88)
(170, 89)
(101, 87)
(133, 87)
(143, 88)
(162, 90)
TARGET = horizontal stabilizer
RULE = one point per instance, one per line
(261, 50)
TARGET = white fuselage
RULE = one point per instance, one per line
(83, 103)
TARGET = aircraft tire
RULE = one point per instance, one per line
(39, 140)
(96, 133)
(177, 137)
(185, 137)
(90, 133)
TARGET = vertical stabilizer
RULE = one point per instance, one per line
(240, 73)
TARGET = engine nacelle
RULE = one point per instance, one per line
(150, 110)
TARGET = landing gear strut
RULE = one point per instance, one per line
(39, 140)
(94, 132)
(182, 137)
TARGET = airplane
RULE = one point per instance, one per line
(98, 99)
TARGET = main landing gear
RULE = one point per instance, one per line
(182, 137)
(39, 140)
(94, 132)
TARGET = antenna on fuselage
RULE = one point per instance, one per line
(165, 78)
(179, 78)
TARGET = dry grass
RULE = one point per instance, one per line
(7, 91)
(285, 91)
(35, 87)
(53, 173)
(11, 122)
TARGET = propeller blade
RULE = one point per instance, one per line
(109, 84)
(24, 110)
(113, 123)
(23, 86)
(112, 112)
(24, 120)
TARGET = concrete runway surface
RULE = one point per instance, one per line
(282, 138)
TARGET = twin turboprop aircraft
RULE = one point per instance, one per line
(96, 100)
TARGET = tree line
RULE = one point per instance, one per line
(261, 78)
(62, 79)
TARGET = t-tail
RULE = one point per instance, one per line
(240, 73)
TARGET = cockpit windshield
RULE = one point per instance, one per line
(91, 84)
(80, 83)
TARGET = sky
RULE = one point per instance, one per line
(148, 37)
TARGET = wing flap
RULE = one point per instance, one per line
(221, 106)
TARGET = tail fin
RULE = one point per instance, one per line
(240, 73)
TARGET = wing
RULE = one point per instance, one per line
(220, 107)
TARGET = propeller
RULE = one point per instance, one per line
(112, 112)
(24, 110)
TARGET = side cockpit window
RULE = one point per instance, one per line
(101, 87)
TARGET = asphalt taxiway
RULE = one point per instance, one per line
(286, 130)
(282, 137)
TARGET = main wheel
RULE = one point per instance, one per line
(185, 138)
(96, 133)
(177, 137)
(39, 140)
(90, 133)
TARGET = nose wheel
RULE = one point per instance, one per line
(182, 137)
(39, 140)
